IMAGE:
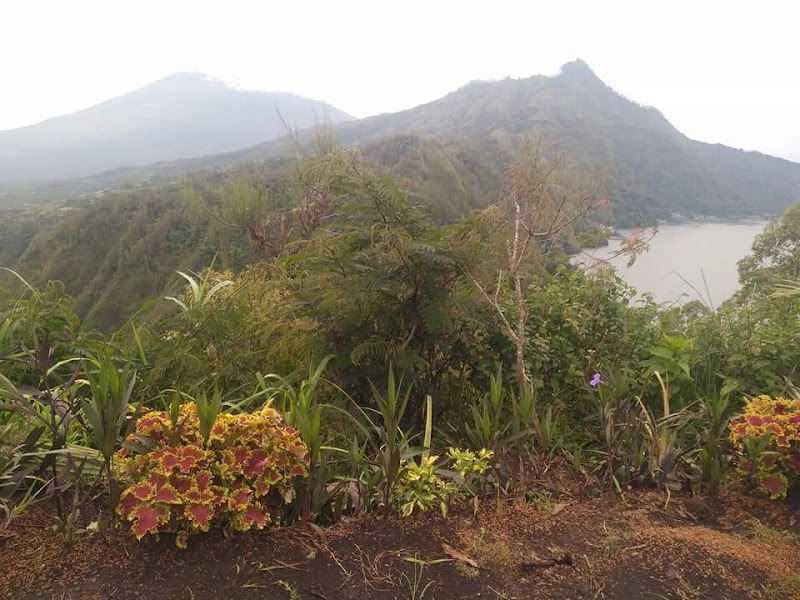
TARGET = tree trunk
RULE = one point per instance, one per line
(519, 342)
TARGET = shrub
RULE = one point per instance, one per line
(181, 484)
(579, 325)
(767, 437)
(469, 464)
(752, 342)
(422, 486)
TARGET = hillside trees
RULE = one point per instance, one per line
(118, 251)
(275, 208)
(380, 282)
(365, 261)
(775, 255)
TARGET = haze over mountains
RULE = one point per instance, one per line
(654, 169)
(181, 116)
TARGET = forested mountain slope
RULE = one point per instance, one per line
(654, 169)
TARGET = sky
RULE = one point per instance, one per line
(719, 71)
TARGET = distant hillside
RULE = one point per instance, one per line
(452, 178)
(183, 116)
(116, 252)
(655, 170)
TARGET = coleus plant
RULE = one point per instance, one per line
(176, 479)
(767, 437)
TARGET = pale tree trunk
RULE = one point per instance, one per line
(544, 198)
(516, 255)
(522, 317)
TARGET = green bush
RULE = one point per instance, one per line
(753, 344)
(580, 325)
(422, 485)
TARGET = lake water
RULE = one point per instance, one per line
(699, 255)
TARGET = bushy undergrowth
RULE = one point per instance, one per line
(420, 338)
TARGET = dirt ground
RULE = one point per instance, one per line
(728, 547)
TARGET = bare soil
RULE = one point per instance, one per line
(728, 547)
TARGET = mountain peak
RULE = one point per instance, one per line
(579, 69)
(187, 80)
(186, 76)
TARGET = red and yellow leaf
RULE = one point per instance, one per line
(254, 516)
(239, 499)
(262, 487)
(775, 485)
(256, 463)
(148, 518)
(143, 491)
(167, 494)
(182, 484)
(181, 540)
(793, 462)
(127, 503)
(200, 515)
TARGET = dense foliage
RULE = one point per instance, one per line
(362, 340)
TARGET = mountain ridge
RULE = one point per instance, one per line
(181, 116)
(655, 169)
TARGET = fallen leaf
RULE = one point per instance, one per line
(455, 554)
(558, 507)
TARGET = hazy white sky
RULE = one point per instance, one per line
(720, 71)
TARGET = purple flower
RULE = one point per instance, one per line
(595, 380)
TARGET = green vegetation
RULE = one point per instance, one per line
(343, 338)
(117, 252)
(119, 240)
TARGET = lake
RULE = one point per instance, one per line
(688, 261)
